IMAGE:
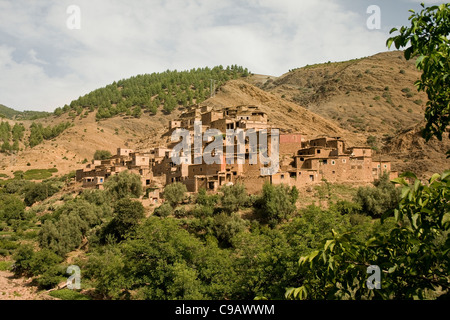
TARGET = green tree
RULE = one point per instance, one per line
(11, 208)
(23, 260)
(413, 256)
(102, 155)
(69, 226)
(233, 197)
(41, 191)
(137, 112)
(163, 210)
(174, 193)
(374, 201)
(427, 40)
(127, 214)
(225, 227)
(278, 202)
(123, 185)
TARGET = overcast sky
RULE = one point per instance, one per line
(44, 64)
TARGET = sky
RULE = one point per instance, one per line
(52, 52)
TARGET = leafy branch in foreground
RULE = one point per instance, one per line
(413, 257)
(428, 40)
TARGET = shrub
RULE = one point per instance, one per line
(347, 207)
(123, 185)
(23, 260)
(11, 208)
(65, 230)
(233, 197)
(206, 200)
(180, 213)
(174, 193)
(51, 277)
(225, 227)
(102, 155)
(163, 210)
(278, 202)
(374, 201)
(41, 191)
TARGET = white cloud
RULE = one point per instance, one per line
(120, 39)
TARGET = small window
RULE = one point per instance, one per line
(334, 172)
(311, 178)
(318, 150)
(293, 175)
(325, 161)
(282, 176)
(385, 166)
(302, 159)
(333, 162)
(344, 160)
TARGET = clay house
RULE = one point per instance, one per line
(95, 173)
(328, 158)
(302, 162)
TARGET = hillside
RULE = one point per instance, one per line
(156, 92)
(281, 113)
(10, 113)
(408, 151)
(375, 95)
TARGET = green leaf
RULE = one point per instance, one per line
(392, 269)
(313, 254)
(434, 177)
(446, 218)
(416, 185)
(399, 181)
(405, 192)
(415, 217)
(419, 61)
(408, 53)
(408, 175)
(327, 244)
(445, 175)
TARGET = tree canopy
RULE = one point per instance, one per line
(427, 40)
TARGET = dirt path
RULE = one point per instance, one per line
(12, 288)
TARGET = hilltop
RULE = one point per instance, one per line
(374, 95)
(11, 114)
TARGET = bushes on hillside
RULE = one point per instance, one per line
(41, 191)
(11, 208)
(102, 155)
(69, 225)
(233, 197)
(277, 202)
(376, 201)
(39, 133)
(123, 185)
(163, 210)
(127, 214)
(174, 193)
